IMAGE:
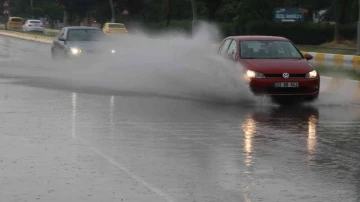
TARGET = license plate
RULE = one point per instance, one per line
(286, 85)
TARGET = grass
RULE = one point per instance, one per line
(321, 49)
(338, 73)
(49, 34)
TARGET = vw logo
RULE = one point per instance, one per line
(286, 75)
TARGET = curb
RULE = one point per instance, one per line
(335, 58)
(26, 36)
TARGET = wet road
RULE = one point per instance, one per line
(62, 144)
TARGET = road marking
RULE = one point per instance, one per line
(132, 175)
(110, 160)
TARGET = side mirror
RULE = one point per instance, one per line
(308, 56)
(62, 39)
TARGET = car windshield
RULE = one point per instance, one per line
(268, 50)
(85, 35)
(16, 19)
(35, 21)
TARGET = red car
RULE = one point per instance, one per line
(273, 66)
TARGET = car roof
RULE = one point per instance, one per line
(81, 27)
(259, 38)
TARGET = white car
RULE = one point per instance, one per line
(33, 26)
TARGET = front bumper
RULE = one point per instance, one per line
(265, 86)
(90, 54)
(35, 29)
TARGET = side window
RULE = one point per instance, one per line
(224, 47)
(62, 32)
(232, 48)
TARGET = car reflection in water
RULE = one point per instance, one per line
(280, 124)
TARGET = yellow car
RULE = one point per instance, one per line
(15, 23)
(114, 28)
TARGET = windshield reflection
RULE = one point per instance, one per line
(268, 50)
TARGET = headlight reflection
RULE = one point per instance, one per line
(249, 129)
(311, 140)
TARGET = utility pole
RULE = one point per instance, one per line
(32, 8)
(358, 31)
(65, 20)
(194, 22)
(112, 11)
(6, 12)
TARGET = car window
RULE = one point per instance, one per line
(224, 47)
(35, 21)
(232, 47)
(269, 50)
(62, 32)
(116, 26)
(85, 35)
(16, 20)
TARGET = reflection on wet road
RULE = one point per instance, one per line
(59, 145)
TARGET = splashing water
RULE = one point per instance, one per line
(169, 64)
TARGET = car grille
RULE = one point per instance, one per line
(281, 76)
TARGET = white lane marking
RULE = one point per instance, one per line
(110, 160)
(125, 170)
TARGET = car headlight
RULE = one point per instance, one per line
(75, 51)
(113, 51)
(312, 74)
(252, 74)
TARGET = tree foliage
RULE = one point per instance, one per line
(238, 13)
(163, 10)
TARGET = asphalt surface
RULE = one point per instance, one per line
(63, 144)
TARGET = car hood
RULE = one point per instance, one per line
(90, 45)
(278, 66)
